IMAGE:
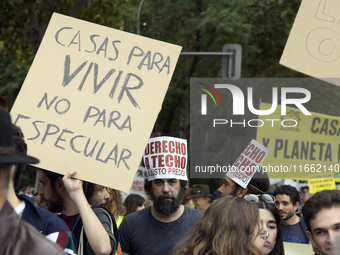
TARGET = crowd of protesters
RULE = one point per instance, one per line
(93, 219)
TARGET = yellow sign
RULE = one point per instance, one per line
(299, 145)
(321, 182)
(313, 46)
(91, 98)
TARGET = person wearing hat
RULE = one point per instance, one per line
(158, 228)
(259, 184)
(47, 223)
(16, 236)
(200, 195)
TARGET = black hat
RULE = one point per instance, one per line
(8, 155)
(200, 190)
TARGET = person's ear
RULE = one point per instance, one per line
(242, 192)
(310, 236)
(60, 184)
(296, 206)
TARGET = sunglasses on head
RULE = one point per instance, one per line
(255, 198)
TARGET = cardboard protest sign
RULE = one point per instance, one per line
(247, 163)
(91, 98)
(138, 183)
(313, 46)
(166, 157)
(299, 145)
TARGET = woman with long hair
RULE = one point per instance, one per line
(228, 227)
(271, 224)
(115, 205)
(133, 203)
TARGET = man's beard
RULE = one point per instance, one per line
(287, 216)
(233, 193)
(55, 204)
(93, 201)
(167, 207)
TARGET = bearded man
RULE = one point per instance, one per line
(292, 223)
(157, 229)
(66, 195)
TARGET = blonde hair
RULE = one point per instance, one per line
(226, 228)
(115, 204)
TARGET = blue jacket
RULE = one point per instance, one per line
(303, 226)
(48, 224)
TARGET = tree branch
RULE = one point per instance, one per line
(75, 10)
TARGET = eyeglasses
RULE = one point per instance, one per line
(255, 198)
(264, 234)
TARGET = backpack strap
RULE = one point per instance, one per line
(81, 242)
(114, 229)
(79, 229)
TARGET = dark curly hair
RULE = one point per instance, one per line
(89, 189)
(52, 176)
(288, 190)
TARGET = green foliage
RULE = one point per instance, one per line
(23, 24)
(27, 178)
(108, 13)
(270, 22)
(12, 75)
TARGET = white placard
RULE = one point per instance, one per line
(166, 158)
(247, 163)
